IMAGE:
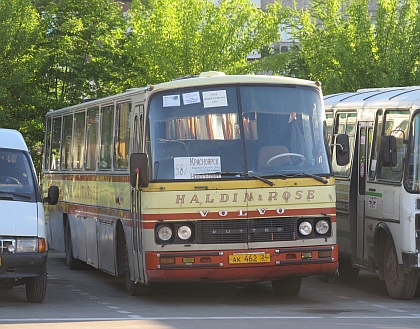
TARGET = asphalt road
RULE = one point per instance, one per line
(93, 299)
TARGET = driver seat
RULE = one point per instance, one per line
(267, 152)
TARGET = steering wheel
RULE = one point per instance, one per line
(302, 158)
(9, 180)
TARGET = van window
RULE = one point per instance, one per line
(16, 176)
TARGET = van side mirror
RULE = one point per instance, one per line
(388, 153)
(139, 170)
(342, 154)
(53, 193)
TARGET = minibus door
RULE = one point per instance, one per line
(364, 139)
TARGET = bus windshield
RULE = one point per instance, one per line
(229, 130)
(412, 178)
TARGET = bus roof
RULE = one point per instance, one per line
(205, 79)
(375, 98)
(219, 78)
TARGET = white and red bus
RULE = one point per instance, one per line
(221, 178)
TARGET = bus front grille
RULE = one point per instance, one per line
(246, 231)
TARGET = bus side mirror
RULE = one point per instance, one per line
(342, 154)
(53, 194)
(388, 152)
(139, 170)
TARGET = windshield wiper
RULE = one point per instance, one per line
(318, 178)
(5, 195)
(238, 173)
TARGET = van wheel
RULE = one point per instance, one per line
(36, 287)
(400, 283)
(72, 263)
(287, 287)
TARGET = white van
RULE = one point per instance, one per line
(23, 245)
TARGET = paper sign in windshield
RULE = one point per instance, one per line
(171, 100)
(191, 98)
(197, 167)
(215, 98)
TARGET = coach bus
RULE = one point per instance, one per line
(378, 191)
(212, 178)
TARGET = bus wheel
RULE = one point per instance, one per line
(36, 287)
(287, 287)
(137, 289)
(348, 273)
(72, 263)
(400, 283)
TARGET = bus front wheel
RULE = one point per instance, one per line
(400, 283)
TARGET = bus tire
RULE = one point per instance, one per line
(137, 289)
(133, 288)
(348, 274)
(71, 262)
(36, 287)
(287, 287)
(400, 283)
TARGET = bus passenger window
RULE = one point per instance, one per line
(106, 137)
(122, 136)
(79, 140)
(92, 138)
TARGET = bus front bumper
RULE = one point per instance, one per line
(241, 265)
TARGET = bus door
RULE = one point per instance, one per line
(137, 249)
(364, 138)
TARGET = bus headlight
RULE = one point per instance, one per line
(164, 233)
(184, 232)
(322, 226)
(305, 228)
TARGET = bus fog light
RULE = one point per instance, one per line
(164, 233)
(322, 226)
(305, 228)
(184, 232)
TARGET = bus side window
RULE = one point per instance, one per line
(79, 140)
(92, 138)
(107, 136)
(66, 142)
(396, 124)
(376, 145)
(55, 144)
(47, 150)
(122, 135)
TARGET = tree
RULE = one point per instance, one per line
(19, 37)
(174, 38)
(83, 50)
(343, 46)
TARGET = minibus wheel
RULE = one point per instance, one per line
(401, 283)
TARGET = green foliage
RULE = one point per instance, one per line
(19, 37)
(346, 48)
(174, 38)
(82, 49)
(56, 53)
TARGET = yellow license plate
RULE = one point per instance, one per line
(0, 261)
(249, 258)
